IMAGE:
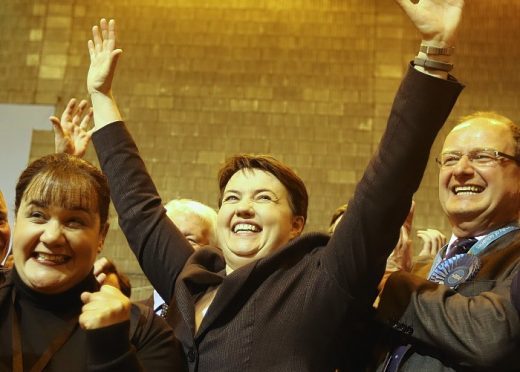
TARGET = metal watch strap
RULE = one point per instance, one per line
(435, 51)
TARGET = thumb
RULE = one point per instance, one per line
(115, 58)
(56, 124)
(85, 297)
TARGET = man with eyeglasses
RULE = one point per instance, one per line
(463, 318)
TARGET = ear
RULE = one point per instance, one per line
(298, 222)
(102, 236)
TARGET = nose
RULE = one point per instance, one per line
(52, 233)
(245, 208)
(463, 167)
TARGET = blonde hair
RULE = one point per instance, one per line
(202, 211)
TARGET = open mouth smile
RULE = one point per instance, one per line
(50, 259)
(246, 228)
(467, 190)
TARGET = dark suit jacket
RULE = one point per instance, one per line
(473, 328)
(283, 312)
(515, 291)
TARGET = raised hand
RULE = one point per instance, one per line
(103, 57)
(401, 257)
(436, 20)
(433, 241)
(71, 133)
(104, 308)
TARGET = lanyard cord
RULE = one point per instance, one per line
(47, 355)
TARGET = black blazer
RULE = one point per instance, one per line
(283, 312)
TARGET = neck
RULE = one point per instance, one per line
(65, 301)
(467, 229)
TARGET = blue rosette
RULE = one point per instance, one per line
(456, 270)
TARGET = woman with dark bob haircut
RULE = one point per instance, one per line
(53, 314)
(273, 299)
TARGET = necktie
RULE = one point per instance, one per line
(461, 245)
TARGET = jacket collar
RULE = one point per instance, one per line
(206, 268)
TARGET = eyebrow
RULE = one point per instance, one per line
(255, 191)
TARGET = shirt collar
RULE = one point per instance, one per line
(157, 300)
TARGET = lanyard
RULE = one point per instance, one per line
(47, 355)
(483, 243)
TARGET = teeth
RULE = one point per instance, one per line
(468, 189)
(55, 258)
(241, 227)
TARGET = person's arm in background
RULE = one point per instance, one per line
(72, 132)
(432, 242)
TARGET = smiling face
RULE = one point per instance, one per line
(61, 209)
(255, 218)
(54, 247)
(478, 199)
(5, 230)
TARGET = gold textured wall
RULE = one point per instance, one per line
(309, 81)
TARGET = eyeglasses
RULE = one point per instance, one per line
(479, 158)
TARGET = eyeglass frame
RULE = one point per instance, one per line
(497, 156)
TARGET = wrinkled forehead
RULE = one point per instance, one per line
(480, 133)
(74, 194)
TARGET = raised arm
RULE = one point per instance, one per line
(158, 245)
(363, 240)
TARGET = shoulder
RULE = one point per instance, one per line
(297, 252)
(156, 346)
(504, 251)
(308, 242)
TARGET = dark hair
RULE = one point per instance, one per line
(65, 180)
(493, 116)
(298, 197)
